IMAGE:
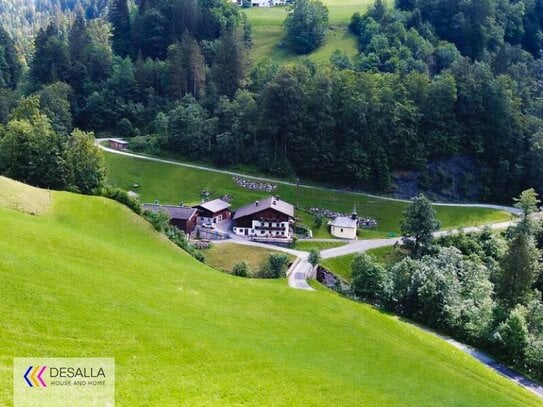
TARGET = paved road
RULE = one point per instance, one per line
(356, 246)
(297, 274)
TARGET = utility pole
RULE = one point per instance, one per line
(298, 182)
(297, 193)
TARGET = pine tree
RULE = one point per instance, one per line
(186, 66)
(229, 64)
(78, 43)
(119, 17)
(10, 67)
(418, 224)
(519, 270)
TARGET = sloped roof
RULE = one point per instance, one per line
(214, 206)
(118, 140)
(344, 222)
(175, 212)
(268, 203)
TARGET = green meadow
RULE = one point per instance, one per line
(268, 31)
(173, 184)
(341, 266)
(88, 278)
(307, 245)
(224, 256)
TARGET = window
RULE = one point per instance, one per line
(341, 230)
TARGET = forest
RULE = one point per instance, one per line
(433, 80)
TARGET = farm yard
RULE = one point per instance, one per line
(171, 184)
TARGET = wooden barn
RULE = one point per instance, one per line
(118, 144)
(182, 217)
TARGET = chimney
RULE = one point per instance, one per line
(278, 198)
(256, 203)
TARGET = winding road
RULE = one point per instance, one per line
(301, 269)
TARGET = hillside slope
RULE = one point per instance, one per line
(173, 184)
(89, 278)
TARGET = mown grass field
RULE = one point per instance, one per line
(89, 278)
(341, 266)
(227, 255)
(172, 184)
(21, 197)
(268, 31)
(307, 245)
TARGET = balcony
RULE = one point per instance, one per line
(271, 228)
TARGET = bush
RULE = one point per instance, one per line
(240, 269)
(314, 257)
(275, 266)
(198, 255)
(159, 220)
(318, 221)
(143, 144)
(121, 196)
(367, 277)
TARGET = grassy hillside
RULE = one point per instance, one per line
(90, 278)
(268, 31)
(173, 184)
(21, 197)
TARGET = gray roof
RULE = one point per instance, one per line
(175, 212)
(344, 222)
(118, 140)
(214, 206)
(271, 202)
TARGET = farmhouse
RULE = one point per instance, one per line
(269, 218)
(344, 227)
(262, 3)
(182, 217)
(214, 211)
(118, 144)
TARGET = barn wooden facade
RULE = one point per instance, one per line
(182, 217)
